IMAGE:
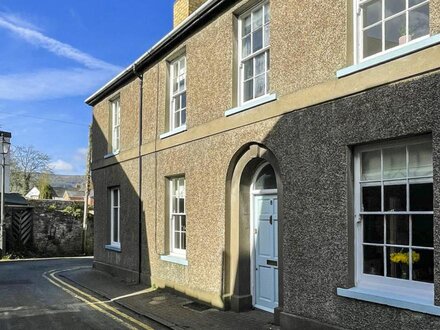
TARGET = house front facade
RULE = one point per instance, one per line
(282, 156)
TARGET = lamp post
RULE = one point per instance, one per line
(4, 150)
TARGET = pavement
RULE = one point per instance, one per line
(162, 306)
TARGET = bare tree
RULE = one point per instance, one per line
(26, 164)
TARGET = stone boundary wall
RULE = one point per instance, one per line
(57, 233)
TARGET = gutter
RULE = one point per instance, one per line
(148, 57)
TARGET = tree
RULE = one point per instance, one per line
(26, 164)
(44, 187)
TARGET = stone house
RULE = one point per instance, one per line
(282, 155)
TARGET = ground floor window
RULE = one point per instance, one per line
(177, 217)
(115, 217)
(394, 215)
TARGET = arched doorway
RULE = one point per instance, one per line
(264, 239)
(253, 187)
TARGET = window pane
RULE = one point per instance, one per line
(419, 21)
(266, 13)
(372, 12)
(395, 198)
(373, 260)
(257, 40)
(183, 223)
(177, 103)
(182, 83)
(176, 222)
(420, 159)
(260, 88)
(397, 263)
(423, 265)
(373, 228)
(414, 2)
(371, 199)
(175, 206)
(266, 35)
(246, 46)
(181, 205)
(394, 163)
(398, 229)
(266, 179)
(115, 225)
(422, 233)
(248, 69)
(248, 90)
(394, 6)
(183, 117)
(177, 240)
(260, 62)
(183, 240)
(246, 28)
(420, 197)
(394, 29)
(257, 18)
(183, 100)
(371, 165)
(177, 119)
(115, 197)
(373, 40)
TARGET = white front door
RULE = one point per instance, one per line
(265, 232)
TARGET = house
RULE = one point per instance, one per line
(73, 195)
(34, 193)
(279, 155)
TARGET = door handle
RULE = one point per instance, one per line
(270, 219)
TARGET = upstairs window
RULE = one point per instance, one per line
(394, 206)
(116, 125)
(386, 24)
(177, 217)
(254, 59)
(178, 93)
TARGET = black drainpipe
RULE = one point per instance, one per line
(141, 83)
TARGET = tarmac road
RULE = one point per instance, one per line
(32, 298)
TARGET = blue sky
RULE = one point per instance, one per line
(54, 54)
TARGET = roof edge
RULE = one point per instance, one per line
(129, 72)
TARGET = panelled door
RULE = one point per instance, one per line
(265, 222)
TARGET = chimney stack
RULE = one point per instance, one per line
(184, 8)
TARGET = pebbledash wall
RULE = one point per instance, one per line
(308, 134)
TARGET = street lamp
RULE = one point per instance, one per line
(4, 150)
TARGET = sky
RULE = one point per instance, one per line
(54, 54)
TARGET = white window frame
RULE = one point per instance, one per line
(414, 290)
(265, 50)
(358, 26)
(116, 124)
(174, 185)
(113, 206)
(181, 74)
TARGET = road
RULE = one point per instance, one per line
(32, 298)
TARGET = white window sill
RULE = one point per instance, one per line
(173, 132)
(251, 104)
(115, 248)
(112, 154)
(175, 259)
(394, 300)
(391, 55)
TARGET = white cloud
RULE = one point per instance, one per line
(61, 166)
(81, 155)
(23, 30)
(51, 84)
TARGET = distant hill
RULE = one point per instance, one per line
(66, 181)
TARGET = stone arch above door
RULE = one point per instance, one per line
(236, 287)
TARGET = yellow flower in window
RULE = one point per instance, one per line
(403, 257)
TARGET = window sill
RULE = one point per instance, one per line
(113, 154)
(173, 132)
(394, 54)
(251, 104)
(114, 248)
(394, 300)
(174, 259)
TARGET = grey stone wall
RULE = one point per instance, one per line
(57, 233)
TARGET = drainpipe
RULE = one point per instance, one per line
(141, 83)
